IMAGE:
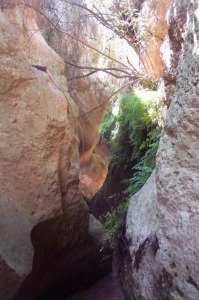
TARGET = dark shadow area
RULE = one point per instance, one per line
(63, 266)
(112, 192)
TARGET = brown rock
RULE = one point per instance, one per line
(153, 14)
(91, 100)
(39, 155)
(92, 104)
(93, 174)
(45, 225)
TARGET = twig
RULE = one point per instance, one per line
(116, 92)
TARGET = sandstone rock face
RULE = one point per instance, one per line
(40, 202)
(163, 218)
(88, 92)
(153, 14)
(39, 148)
(91, 100)
(93, 174)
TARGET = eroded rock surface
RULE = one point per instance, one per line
(153, 13)
(93, 173)
(40, 202)
(39, 147)
(91, 100)
(173, 47)
(163, 218)
(88, 92)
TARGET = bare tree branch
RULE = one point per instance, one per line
(98, 69)
(81, 76)
(108, 99)
(124, 71)
(71, 36)
(123, 34)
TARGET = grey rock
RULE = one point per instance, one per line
(162, 228)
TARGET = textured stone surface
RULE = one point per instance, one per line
(152, 31)
(92, 176)
(40, 202)
(37, 164)
(173, 47)
(141, 237)
(90, 98)
(153, 12)
(162, 229)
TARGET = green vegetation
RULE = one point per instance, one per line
(114, 221)
(146, 164)
(107, 127)
(133, 137)
(139, 115)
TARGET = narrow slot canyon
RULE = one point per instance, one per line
(99, 168)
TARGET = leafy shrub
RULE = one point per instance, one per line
(139, 114)
(138, 125)
(146, 164)
(114, 221)
(107, 127)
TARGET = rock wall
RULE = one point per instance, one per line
(90, 98)
(162, 220)
(36, 137)
(88, 92)
(91, 101)
(42, 212)
(172, 48)
(153, 14)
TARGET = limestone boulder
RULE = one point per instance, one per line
(163, 218)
